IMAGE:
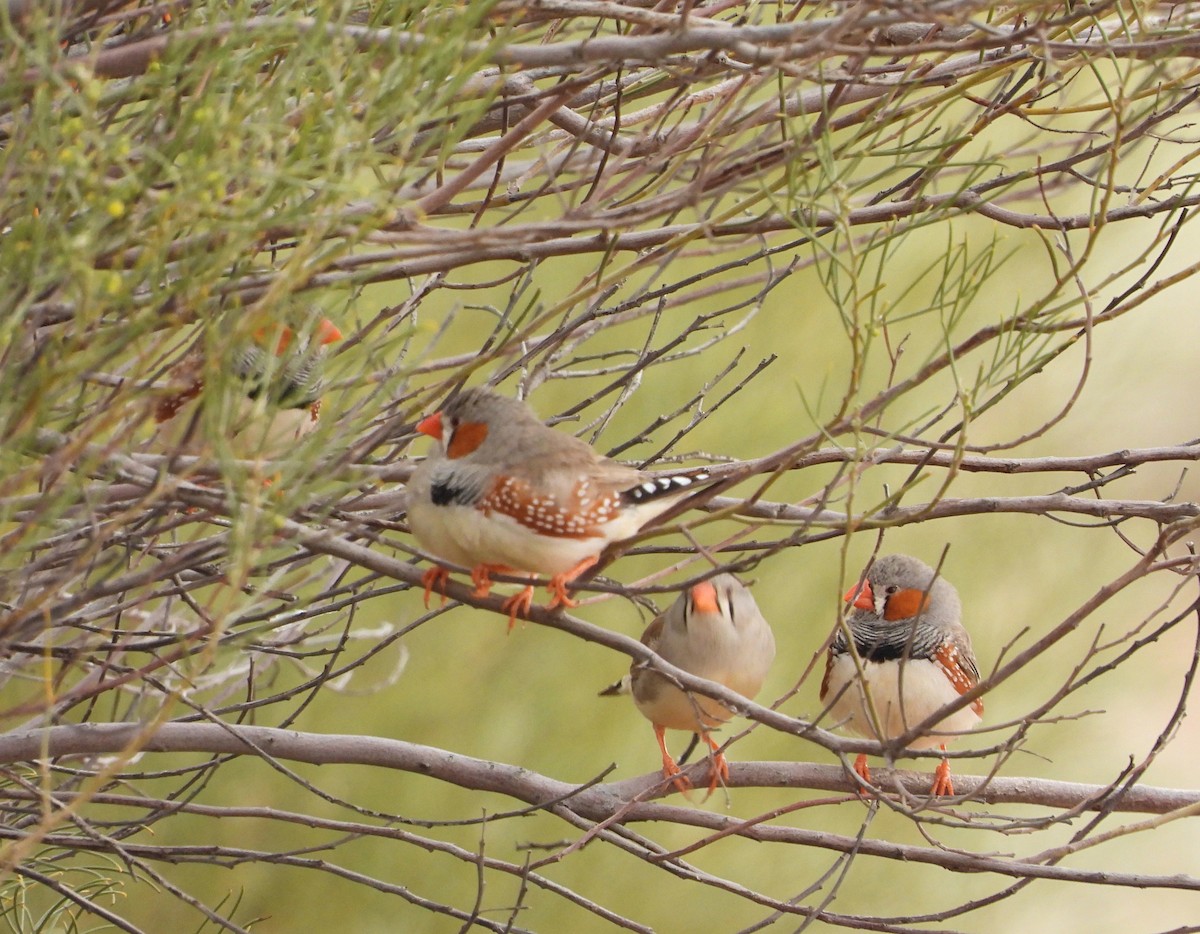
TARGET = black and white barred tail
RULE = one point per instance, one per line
(657, 487)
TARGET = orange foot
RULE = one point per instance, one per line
(670, 770)
(681, 782)
(481, 577)
(720, 768)
(863, 772)
(517, 604)
(436, 576)
(942, 785)
(558, 584)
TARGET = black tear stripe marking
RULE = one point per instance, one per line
(656, 487)
(445, 493)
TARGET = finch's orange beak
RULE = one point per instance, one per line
(863, 599)
(431, 425)
(327, 332)
(704, 598)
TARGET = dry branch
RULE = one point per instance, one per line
(623, 211)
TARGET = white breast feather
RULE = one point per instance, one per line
(921, 686)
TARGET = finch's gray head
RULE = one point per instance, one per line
(899, 588)
(471, 420)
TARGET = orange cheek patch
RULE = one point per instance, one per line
(905, 604)
(285, 341)
(467, 437)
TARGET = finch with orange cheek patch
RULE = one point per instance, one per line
(502, 493)
(915, 657)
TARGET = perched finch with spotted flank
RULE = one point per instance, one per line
(915, 658)
(502, 493)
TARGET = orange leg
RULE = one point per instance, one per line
(558, 584)
(481, 577)
(863, 772)
(436, 576)
(518, 604)
(670, 769)
(942, 785)
(720, 768)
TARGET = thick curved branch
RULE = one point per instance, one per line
(594, 801)
(603, 802)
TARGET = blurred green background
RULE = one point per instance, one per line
(529, 698)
